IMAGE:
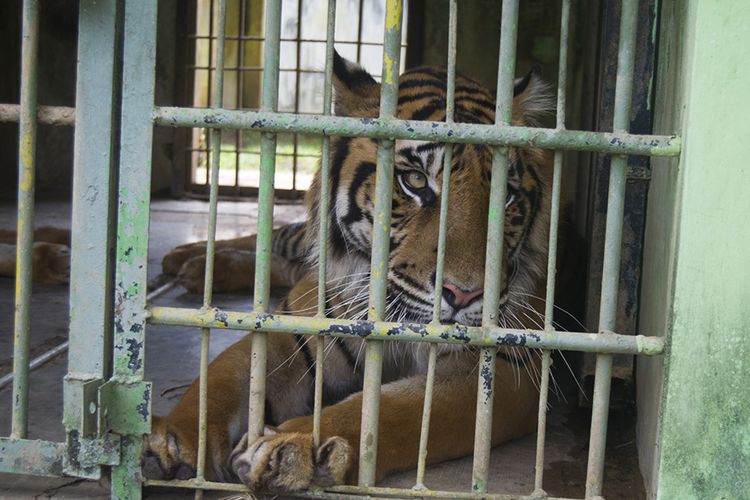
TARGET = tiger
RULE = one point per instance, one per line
(285, 457)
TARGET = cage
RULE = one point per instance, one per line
(222, 100)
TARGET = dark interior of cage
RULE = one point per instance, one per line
(186, 53)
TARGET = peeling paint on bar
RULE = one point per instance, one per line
(379, 128)
(608, 342)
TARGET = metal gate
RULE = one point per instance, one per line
(107, 402)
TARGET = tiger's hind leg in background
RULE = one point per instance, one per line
(234, 262)
(51, 255)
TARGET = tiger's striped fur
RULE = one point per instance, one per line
(285, 459)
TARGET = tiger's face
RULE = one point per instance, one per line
(417, 193)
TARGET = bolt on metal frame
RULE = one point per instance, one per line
(113, 437)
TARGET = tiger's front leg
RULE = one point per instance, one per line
(288, 461)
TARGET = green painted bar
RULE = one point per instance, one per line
(495, 240)
(208, 284)
(31, 457)
(92, 234)
(493, 135)
(25, 220)
(552, 250)
(261, 293)
(413, 332)
(47, 115)
(450, 97)
(612, 246)
(368, 448)
(139, 53)
(323, 217)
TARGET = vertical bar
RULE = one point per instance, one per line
(380, 245)
(215, 164)
(25, 221)
(323, 217)
(612, 246)
(136, 136)
(93, 208)
(552, 251)
(239, 80)
(298, 65)
(263, 250)
(444, 193)
(494, 259)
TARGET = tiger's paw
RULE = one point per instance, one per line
(166, 454)
(233, 270)
(289, 462)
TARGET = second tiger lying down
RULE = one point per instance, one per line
(285, 459)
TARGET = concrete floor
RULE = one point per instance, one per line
(174, 223)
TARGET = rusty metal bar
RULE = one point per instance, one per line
(368, 444)
(323, 218)
(263, 249)
(608, 342)
(379, 128)
(215, 165)
(494, 259)
(549, 302)
(25, 220)
(612, 247)
(443, 230)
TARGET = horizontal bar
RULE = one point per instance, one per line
(47, 115)
(31, 457)
(338, 492)
(493, 135)
(605, 342)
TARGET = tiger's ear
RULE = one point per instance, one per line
(356, 91)
(532, 98)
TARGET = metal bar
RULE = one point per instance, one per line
(48, 115)
(31, 457)
(552, 251)
(612, 247)
(218, 98)
(239, 86)
(492, 135)
(90, 338)
(323, 218)
(608, 342)
(296, 89)
(25, 221)
(136, 137)
(444, 193)
(368, 447)
(494, 258)
(347, 492)
(270, 100)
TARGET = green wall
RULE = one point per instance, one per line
(696, 286)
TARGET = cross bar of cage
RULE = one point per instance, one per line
(261, 294)
(612, 247)
(25, 218)
(381, 230)
(381, 128)
(603, 342)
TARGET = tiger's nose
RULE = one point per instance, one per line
(457, 298)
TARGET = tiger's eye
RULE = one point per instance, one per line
(415, 179)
